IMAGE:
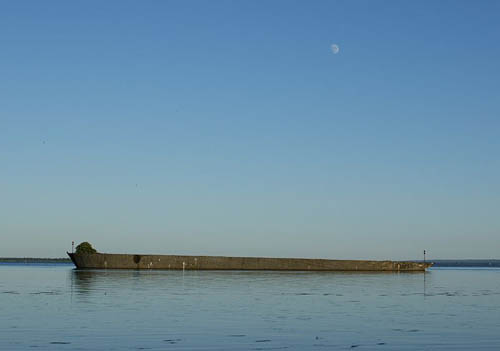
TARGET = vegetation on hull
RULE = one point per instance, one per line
(85, 248)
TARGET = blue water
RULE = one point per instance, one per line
(55, 307)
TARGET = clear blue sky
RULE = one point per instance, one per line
(231, 128)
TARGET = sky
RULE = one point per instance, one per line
(232, 128)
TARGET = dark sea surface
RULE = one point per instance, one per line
(55, 307)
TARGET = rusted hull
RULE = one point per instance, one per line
(173, 262)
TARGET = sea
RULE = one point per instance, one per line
(57, 307)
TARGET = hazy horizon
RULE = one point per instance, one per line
(429, 259)
(333, 129)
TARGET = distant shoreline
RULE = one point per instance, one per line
(437, 263)
(33, 260)
(466, 263)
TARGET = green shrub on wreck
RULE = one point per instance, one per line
(85, 248)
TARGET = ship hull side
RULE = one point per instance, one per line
(173, 262)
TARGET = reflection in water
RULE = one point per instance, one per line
(82, 280)
(89, 281)
(425, 290)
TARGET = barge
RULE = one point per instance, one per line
(175, 262)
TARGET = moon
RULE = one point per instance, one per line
(335, 49)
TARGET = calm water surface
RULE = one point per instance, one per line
(55, 307)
